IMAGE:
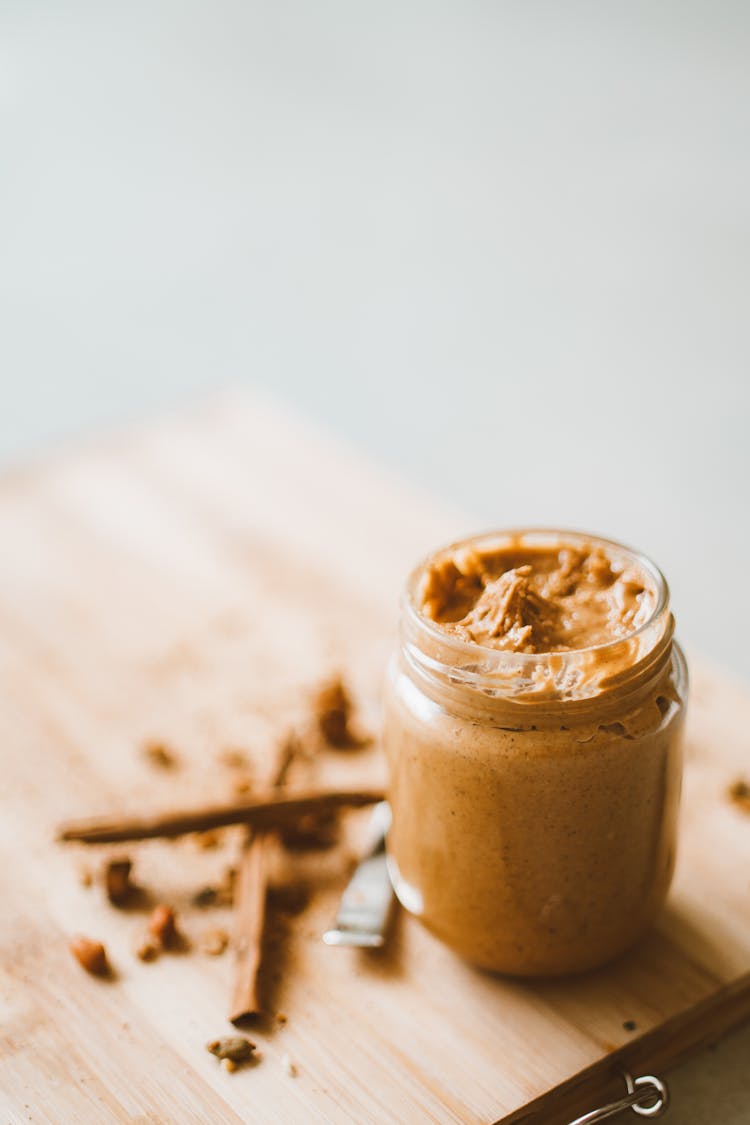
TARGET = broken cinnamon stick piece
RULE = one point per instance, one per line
(250, 916)
(271, 812)
(250, 902)
(291, 750)
(333, 709)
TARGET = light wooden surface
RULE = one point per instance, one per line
(193, 582)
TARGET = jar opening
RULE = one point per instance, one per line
(437, 651)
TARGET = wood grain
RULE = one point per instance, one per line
(193, 582)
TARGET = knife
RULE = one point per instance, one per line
(366, 904)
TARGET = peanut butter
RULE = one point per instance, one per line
(535, 598)
(533, 732)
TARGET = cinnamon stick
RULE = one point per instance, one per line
(250, 903)
(250, 918)
(271, 812)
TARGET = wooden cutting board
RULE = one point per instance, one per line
(192, 583)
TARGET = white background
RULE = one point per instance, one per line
(503, 247)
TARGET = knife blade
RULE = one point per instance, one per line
(366, 904)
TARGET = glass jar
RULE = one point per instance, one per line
(535, 795)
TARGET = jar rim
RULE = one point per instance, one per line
(521, 534)
(504, 672)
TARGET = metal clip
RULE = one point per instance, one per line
(649, 1089)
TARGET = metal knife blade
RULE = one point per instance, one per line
(366, 904)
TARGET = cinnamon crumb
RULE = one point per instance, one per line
(242, 785)
(86, 877)
(117, 880)
(207, 840)
(162, 925)
(206, 896)
(90, 955)
(213, 942)
(739, 794)
(146, 947)
(160, 756)
(221, 895)
(281, 1017)
(234, 1048)
(233, 759)
(332, 707)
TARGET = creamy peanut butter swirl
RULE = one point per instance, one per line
(536, 599)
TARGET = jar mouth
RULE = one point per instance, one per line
(557, 674)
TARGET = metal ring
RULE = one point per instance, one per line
(637, 1092)
(660, 1093)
